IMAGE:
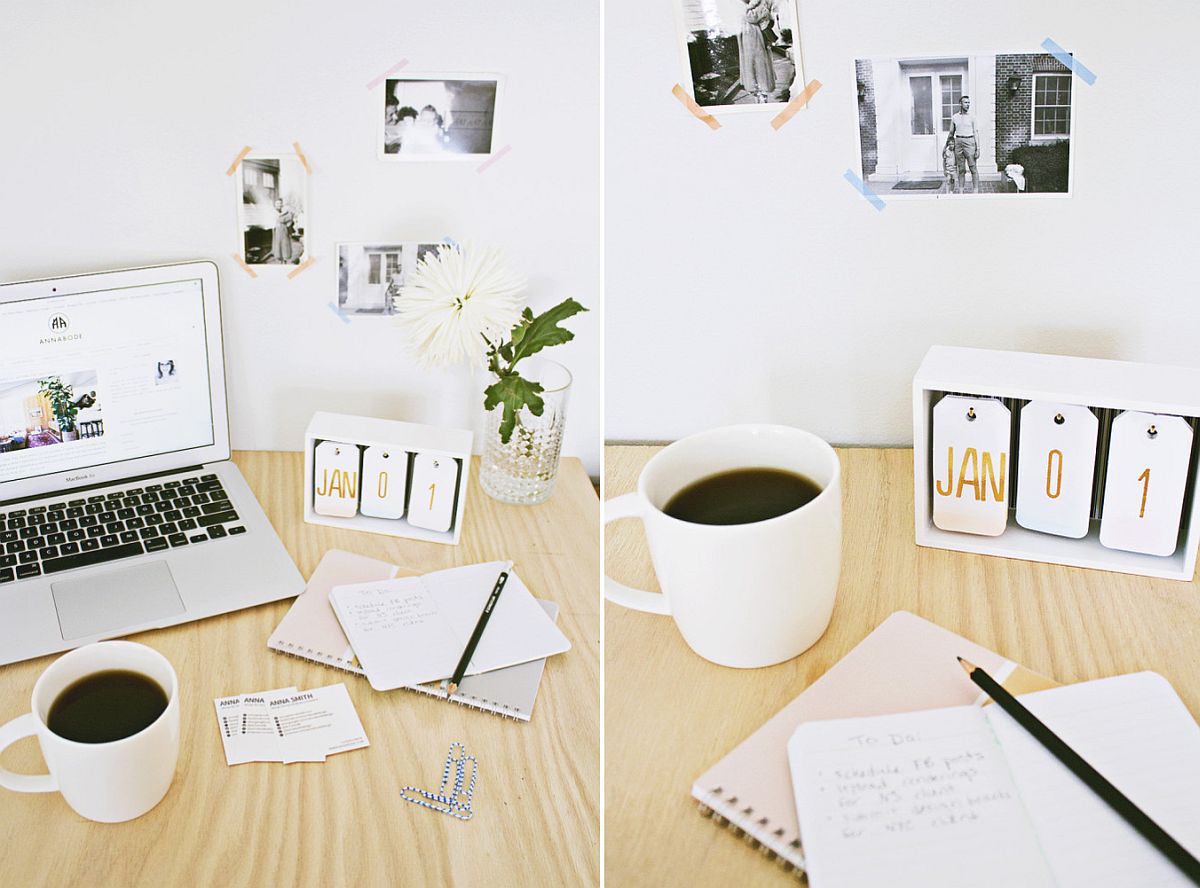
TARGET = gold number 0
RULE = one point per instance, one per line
(432, 489)
(1145, 479)
(381, 488)
(1049, 469)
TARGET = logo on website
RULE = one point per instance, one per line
(60, 326)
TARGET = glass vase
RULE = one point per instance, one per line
(523, 471)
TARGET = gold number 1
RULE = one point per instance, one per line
(432, 488)
(1145, 479)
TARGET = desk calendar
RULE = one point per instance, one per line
(383, 476)
(1075, 461)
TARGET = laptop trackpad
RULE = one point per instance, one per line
(112, 600)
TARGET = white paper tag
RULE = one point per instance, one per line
(970, 465)
(1148, 456)
(1056, 468)
(384, 477)
(431, 502)
(336, 479)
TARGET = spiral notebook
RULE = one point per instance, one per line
(311, 631)
(750, 789)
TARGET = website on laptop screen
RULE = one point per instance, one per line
(91, 379)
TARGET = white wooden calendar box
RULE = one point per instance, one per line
(450, 448)
(1108, 387)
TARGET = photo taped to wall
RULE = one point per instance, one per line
(439, 117)
(740, 55)
(273, 209)
(370, 275)
(955, 124)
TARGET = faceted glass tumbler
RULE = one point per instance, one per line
(523, 471)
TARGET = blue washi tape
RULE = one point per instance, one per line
(451, 241)
(1072, 63)
(337, 311)
(862, 188)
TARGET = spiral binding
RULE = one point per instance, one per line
(725, 812)
(479, 703)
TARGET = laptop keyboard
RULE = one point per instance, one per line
(48, 539)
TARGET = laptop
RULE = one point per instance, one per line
(120, 509)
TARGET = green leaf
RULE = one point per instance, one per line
(535, 334)
(513, 393)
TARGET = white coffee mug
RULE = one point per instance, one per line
(109, 782)
(743, 595)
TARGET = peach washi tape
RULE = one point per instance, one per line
(690, 103)
(303, 159)
(301, 267)
(240, 157)
(795, 104)
(242, 262)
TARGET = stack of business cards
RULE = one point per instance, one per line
(288, 725)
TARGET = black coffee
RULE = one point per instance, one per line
(742, 496)
(106, 706)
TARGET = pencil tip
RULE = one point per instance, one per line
(450, 689)
(966, 664)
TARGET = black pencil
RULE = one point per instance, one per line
(1113, 797)
(465, 659)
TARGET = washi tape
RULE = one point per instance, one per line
(384, 76)
(688, 102)
(495, 157)
(242, 262)
(1072, 63)
(240, 157)
(303, 159)
(865, 190)
(795, 104)
(307, 263)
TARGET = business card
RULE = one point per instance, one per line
(288, 725)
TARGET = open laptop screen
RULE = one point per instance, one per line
(91, 379)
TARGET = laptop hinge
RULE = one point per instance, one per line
(120, 482)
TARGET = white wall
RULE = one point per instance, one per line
(118, 120)
(751, 282)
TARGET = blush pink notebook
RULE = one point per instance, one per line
(906, 664)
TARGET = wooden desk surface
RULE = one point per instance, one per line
(669, 715)
(536, 805)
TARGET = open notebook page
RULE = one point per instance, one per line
(920, 799)
(1135, 731)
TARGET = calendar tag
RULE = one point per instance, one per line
(431, 502)
(1056, 468)
(970, 465)
(336, 479)
(1148, 456)
(384, 477)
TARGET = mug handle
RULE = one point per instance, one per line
(630, 505)
(19, 729)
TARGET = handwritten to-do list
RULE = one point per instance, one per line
(964, 796)
(924, 784)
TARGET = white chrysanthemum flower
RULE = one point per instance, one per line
(454, 299)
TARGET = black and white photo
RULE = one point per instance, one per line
(439, 117)
(165, 372)
(370, 275)
(937, 126)
(740, 54)
(272, 210)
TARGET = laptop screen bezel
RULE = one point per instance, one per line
(50, 288)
